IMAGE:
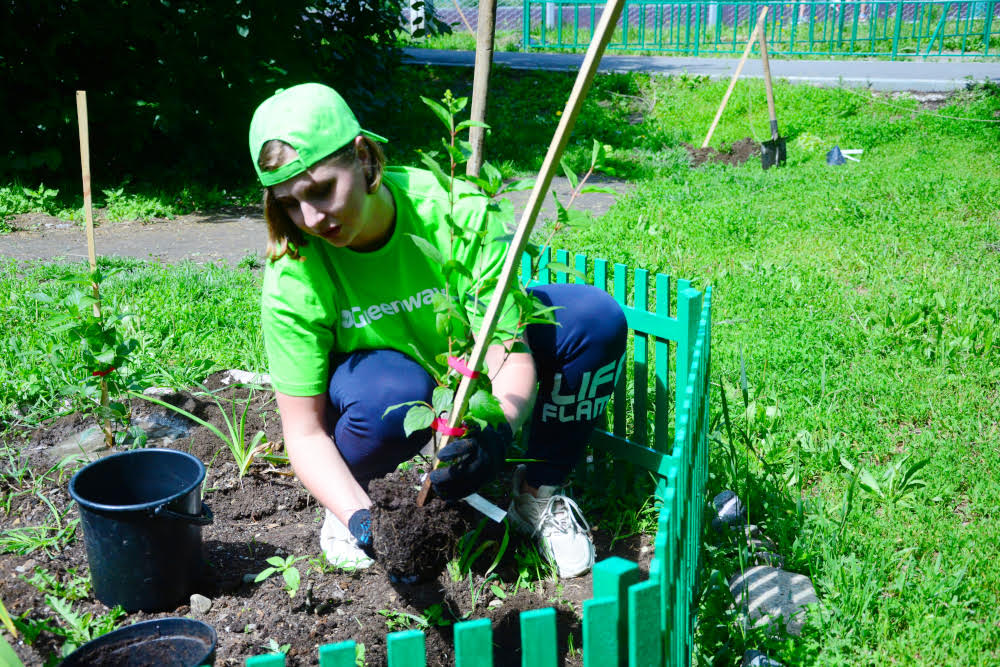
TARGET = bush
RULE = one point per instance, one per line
(171, 84)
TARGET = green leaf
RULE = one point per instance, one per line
(598, 188)
(453, 265)
(561, 267)
(293, 579)
(41, 297)
(493, 175)
(443, 179)
(523, 184)
(418, 418)
(457, 156)
(442, 399)
(277, 561)
(429, 250)
(470, 123)
(597, 153)
(485, 406)
(867, 481)
(265, 574)
(401, 405)
(439, 111)
(570, 174)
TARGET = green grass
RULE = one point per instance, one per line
(862, 300)
(127, 201)
(187, 318)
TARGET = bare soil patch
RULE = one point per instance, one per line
(736, 154)
(268, 513)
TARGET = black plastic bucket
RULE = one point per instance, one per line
(162, 642)
(142, 516)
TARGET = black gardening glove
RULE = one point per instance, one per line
(360, 525)
(471, 462)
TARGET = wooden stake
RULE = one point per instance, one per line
(464, 20)
(88, 212)
(481, 82)
(736, 75)
(602, 34)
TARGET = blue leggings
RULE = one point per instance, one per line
(578, 362)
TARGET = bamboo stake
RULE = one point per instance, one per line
(736, 75)
(468, 25)
(88, 211)
(602, 34)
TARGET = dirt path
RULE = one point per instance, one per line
(226, 236)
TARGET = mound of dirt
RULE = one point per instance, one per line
(413, 543)
(736, 154)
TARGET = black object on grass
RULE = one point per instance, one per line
(182, 642)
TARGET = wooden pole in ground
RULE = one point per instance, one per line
(88, 212)
(468, 26)
(481, 82)
(602, 33)
(736, 75)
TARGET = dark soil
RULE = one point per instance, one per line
(740, 151)
(268, 513)
(410, 542)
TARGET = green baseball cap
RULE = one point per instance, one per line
(311, 118)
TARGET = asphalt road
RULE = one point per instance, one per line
(875, 74)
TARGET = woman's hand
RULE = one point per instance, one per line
(471, 462)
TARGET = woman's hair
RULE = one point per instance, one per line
(283, 237)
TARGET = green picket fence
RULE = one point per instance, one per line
(628, 620)
(877, 28)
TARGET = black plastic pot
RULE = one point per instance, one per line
(162, 642)
(142, 516)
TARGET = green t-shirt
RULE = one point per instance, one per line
(337, 300)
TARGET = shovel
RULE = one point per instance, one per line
(771, 152)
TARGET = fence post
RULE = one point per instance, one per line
(688, 305)
(600, 632)
(899, 27)
(538, 638)
(645, 638)
(406, 649)
(988, 28)
(341, 654)
(473, 643)
(526, 29)
(612, 578)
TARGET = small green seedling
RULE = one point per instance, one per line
(78, 629)
(244, 453)
(290, 573)
(272, 646)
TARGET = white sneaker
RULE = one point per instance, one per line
(340, 547)
(556, 523)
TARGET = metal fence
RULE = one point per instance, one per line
(876, 28)
(628, 620)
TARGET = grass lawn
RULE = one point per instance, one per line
(860, 302)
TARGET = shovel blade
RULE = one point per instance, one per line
(773, 153)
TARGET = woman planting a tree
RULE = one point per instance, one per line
(352, 325)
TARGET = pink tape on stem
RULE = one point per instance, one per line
(441, 426)
(459, 365)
